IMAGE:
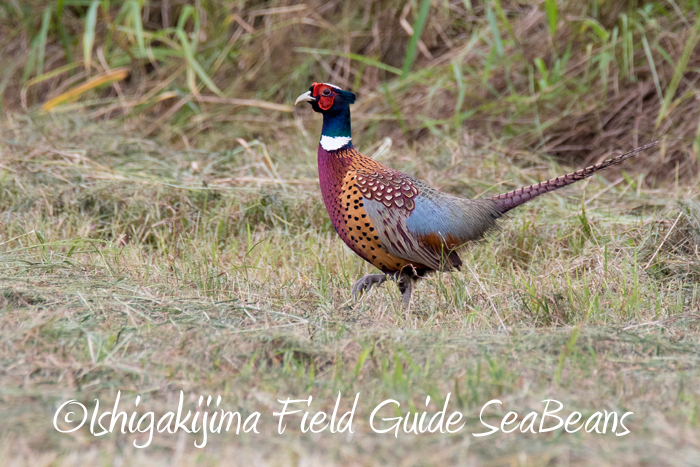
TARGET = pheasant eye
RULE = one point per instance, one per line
(326, 92)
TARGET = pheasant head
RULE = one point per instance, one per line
(334, 104)
(327, 98)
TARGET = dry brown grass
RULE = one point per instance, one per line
(579, 94)
(123, 271)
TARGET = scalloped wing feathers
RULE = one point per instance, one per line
(419, 223)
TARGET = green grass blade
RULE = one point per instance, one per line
(690, 44)
(192, 62)
(550, 8)
(360, 58)
(650, 58)
(138, 24)
(89, 34)
(696, 143)
(30, 62)
(461, 90)
(412, 47)
(598, 28)
(41, 40)
(50, 74)
(187, 11)
(502, 15)
(65, 39)
(189, 49)
(495, 31)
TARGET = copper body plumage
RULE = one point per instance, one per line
(343, 180)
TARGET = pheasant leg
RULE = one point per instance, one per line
(405, 284)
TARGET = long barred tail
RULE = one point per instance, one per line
(513, 199)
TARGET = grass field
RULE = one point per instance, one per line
(153, 243)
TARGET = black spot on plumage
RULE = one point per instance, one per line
(371, 229)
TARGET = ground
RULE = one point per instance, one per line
(133, 266)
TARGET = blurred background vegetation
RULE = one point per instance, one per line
(575, 79)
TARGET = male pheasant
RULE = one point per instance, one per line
(397, 223)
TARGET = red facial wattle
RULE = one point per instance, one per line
(324, 102)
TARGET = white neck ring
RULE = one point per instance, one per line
(331, 143)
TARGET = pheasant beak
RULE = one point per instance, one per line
(306, 97)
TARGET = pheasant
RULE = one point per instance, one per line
(398, 223)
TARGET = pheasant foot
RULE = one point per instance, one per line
(365, 283)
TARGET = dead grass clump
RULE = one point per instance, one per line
(10, 299)
(631, 116)
(671, 250)
(286, 350)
